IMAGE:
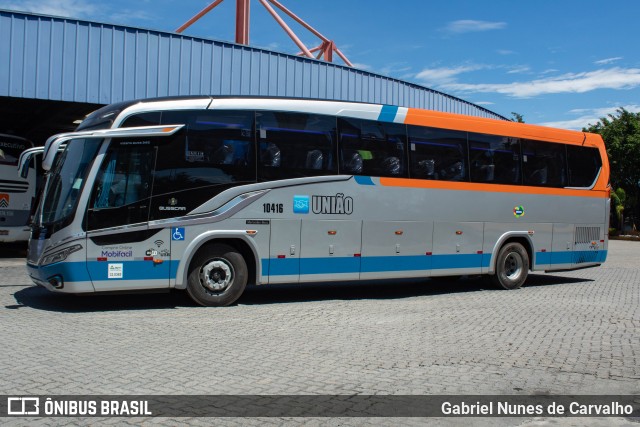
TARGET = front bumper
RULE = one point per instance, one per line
(63, 277)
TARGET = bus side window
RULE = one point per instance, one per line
(494, 159)
(544, 164)
(215, 151)
(352, 163)
(218, 139)
(295, 145)
(270, 155)
(368, 147)
(151, 118)
(438, 153)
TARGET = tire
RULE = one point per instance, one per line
(512, 266)
(217, 275)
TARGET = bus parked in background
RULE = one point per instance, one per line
(17, 193)
(211, 194)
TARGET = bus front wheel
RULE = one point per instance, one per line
(512, 266)
(217, 275)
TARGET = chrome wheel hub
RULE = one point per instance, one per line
(513, 266)
(216, 275)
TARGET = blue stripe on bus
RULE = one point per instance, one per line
(70, 271)
(543, 258)
(388, 113)
(570, 257)
(460, 261)
(98, 270)
(364, 180)
(133, 270)
(147, 270)
(330, 265)
(280, 266)
(374, 264)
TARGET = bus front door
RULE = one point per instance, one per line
(122, 252)
(130, 260)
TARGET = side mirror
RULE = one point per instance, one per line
(25, 160)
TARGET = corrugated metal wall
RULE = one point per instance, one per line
(70, 60)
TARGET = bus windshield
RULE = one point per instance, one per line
(67, 179)
(10, 149)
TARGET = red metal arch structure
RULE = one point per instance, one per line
(323, 51)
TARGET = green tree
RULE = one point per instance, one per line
(621, 134)
(618, 199)
(519, 118)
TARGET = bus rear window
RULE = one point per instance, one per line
(584, 165)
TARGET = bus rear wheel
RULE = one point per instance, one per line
(217, 275)
(512, 266)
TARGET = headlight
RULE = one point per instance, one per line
(60, 255)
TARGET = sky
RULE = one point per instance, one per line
(559, 63)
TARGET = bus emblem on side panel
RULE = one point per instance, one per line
(518, 211)
(4, 200)
(172, 202)
(301, 204)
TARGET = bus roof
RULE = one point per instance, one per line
(411, 116)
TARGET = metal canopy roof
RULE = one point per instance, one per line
(61, 59)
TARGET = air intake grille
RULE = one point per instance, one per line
(8, 186)
(587, 234)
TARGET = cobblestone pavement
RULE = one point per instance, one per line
(564, 333)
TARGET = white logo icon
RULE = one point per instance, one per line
(23, 406)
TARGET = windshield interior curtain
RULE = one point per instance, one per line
(103, 198)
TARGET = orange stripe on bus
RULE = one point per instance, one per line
(460, 122)
(464, 123)
(489, 188)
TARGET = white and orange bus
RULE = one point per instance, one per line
(211, 194)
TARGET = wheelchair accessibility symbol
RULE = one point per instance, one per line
(177, 233)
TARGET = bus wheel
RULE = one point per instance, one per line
(217, 276)
(512, 266)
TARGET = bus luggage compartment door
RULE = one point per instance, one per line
(283, 265)
(330, 250)
(562, 247)
(457, 248)
(393, 249)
